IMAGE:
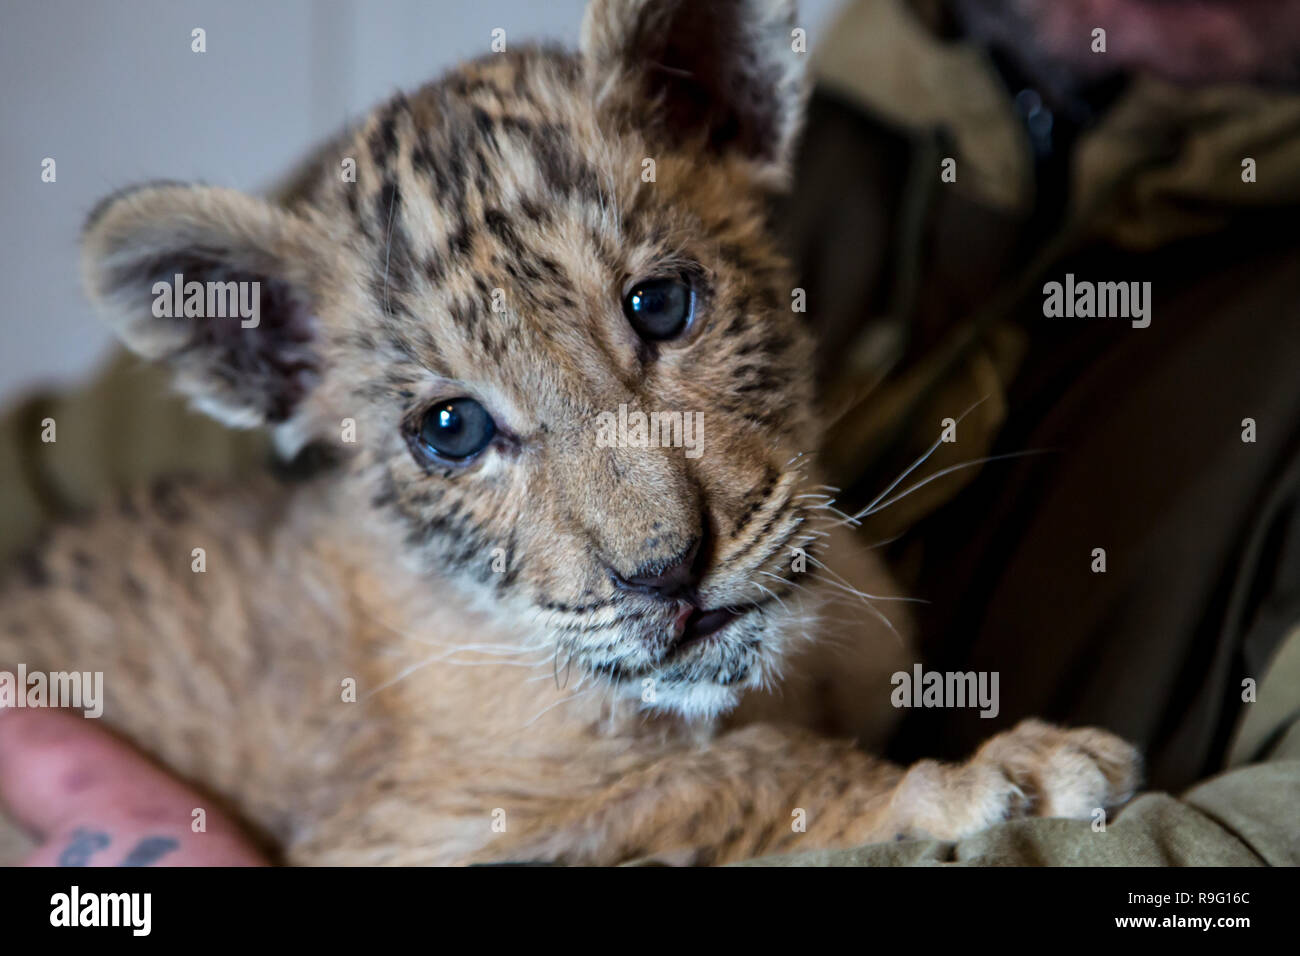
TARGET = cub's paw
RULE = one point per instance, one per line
(1034, 769)
(1064, 773)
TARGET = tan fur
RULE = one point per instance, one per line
(501, 712)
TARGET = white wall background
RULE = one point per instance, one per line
(113, 93)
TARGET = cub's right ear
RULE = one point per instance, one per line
(218, 285)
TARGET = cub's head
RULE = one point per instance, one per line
(536, 307)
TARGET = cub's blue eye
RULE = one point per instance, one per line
(457, 429)
(660, 308)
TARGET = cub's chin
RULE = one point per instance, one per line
(709, 678)
(700, 701)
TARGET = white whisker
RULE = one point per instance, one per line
(946, 471)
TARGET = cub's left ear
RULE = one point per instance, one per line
(723, 74)
(217, 285)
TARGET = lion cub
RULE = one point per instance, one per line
(491, 630)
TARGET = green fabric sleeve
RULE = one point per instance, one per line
(1246, 816)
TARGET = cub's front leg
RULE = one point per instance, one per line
(763, 790)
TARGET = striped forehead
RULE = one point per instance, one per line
(497, 216)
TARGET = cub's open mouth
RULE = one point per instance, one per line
(694, 625)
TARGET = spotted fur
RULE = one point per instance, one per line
(496, 219)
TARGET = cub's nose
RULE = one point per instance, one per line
(671, 580)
